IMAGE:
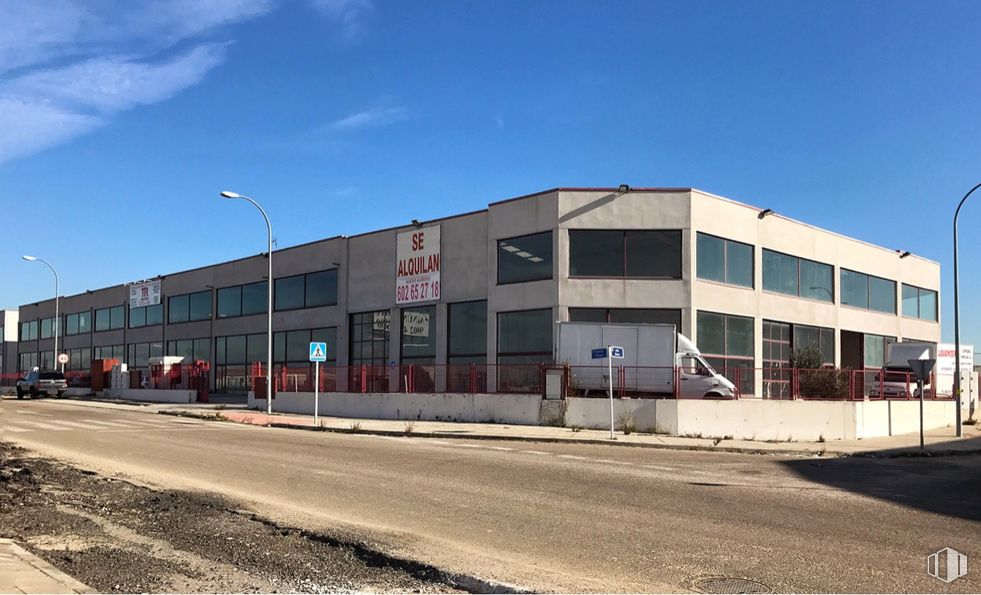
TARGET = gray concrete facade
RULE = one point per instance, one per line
(366, 279)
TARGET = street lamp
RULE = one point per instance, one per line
(957, 323)
(57, 320)
(269, 312)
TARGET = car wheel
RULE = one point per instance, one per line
(20, 393)
(61, 394)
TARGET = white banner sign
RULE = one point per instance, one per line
(417, 269)
(945, 359)
(144, 294)
(415, 324)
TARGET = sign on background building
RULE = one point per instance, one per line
(417, 269)
(945, 359)
(415, 324)
(146, 293)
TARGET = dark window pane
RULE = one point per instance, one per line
(928, 305)
(654, 254)
(596, 253)
(154, 314)
(200, 305)
(528, 258)
(137, 317)
(321, 289)
(202, 349)
(711, 333)
(254, 298)
(524, 332)
(297, 346)
(229, 302)
(882, 295)
(468, 328)
(779, 272)
(854, 289)
(911, 301)
(71, 324)
(84, 322)
(102, 320)
(711, 259)
(646, 316)
(329, 336)
(177, 309)
(739, 264)
(235, 350)
(816, 281)
(419, 333)
(220, 350)
(256, 348)
(279, 346)
(289, 293)
(739, 336)
(588, 315)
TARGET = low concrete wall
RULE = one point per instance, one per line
(511, 409)
(595, 413)
(153, 395)
(758, 419)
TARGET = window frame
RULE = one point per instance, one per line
(187, 297)
(305, 305)
(798, 260)
(725, 261)
(868, 291)
(146, 311)
(551, 244)
(626, 255)
(108, 310)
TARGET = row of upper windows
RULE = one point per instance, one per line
(730, 262)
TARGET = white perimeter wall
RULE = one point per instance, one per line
(478, 408)
(153, 395)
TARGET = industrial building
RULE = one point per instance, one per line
(747, 284)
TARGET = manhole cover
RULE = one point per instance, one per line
(728, 584)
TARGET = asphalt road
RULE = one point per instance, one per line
(554, 516)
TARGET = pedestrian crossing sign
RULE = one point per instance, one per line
(318, 352)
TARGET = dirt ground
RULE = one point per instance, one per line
(119, 537)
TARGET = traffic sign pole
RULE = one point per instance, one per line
(316, 393)
(609, 363)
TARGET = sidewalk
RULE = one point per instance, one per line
(938, 442)
(23, 572)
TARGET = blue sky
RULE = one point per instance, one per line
(121, 121)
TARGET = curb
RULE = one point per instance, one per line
(539, 439)
(906, 452)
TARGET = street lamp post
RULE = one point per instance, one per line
(957, 322)
(269, 311)
(57, 320)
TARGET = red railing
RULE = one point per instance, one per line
(408, 378)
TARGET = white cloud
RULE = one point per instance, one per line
(372, 117)
(349, 14)
(71, 65)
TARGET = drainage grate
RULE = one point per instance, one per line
(728, 584)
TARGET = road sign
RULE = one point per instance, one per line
(922, 367)
(62, 358)
(318, 352)
(599, 353)
(616, 352)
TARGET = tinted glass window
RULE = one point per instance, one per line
(911, 306)
(527, 258)
(596, 253)
(329, 336)
(254, 298)
(854, 289)
(711, 333)
(645, 316)
(739, 264)
(711, 259)
(102, 319)
(137, 317)
(369, 337)
(589, 315)
(882, 295)
(71, 324)
(928, 305)
(230, 301)
(654, 254)
(419, 333)
(289, 293)
(528, 332)
(816, 281)
(235, 349)
(321, 289)
(47, 328)
(256, 348)
(200, 306)
(468, 328)
(779, 272)
(177, 307)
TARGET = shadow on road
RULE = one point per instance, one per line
(947, 485)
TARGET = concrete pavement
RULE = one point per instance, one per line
(938, 442)
(23, 572)
(552, 515)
